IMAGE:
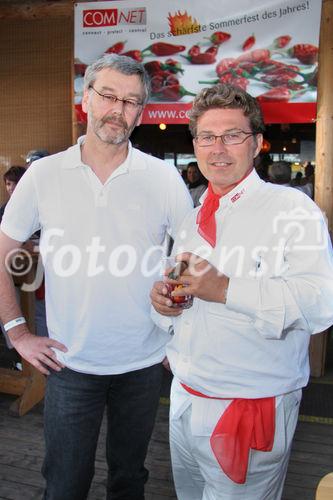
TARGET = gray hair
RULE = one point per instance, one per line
(226, 96)
(123, 64)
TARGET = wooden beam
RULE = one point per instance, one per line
(324, 129)
(39, 9)
(324, 154)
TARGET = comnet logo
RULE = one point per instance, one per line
(97, 18)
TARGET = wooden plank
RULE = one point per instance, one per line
(38, 9)
(11, 490)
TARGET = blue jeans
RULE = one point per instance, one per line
(74, 408)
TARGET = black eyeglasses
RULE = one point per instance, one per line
(129, 104)
(230, 138)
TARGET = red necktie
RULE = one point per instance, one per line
(206, 216)
(245, 424)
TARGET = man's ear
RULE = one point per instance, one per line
(85, 99)
(139, 119)
(259, 140)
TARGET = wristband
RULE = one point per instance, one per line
(14, 322)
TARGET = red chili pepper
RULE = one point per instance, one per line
(231, 78)
(249, 67)
(278, 79)
(305, 53)
(174, 66)
(281, 41)
(171, 80)
(164, 49)
(249, 42)
(134, 54)
(80, 68)
(235, 81)
(225, 64)
(212, 50)
(278, 94)
(257, 55)
(194, 51)
(219, 37)
(203, 58)
(156, 83)
(116, 48)
(173, 93)
(153, 67)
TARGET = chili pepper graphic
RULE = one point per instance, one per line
(203, 58)
(117, 48)
(194, 51)
(249, 42)
(225, 64)
(230, 77)
(281, 41)
(212, 50)
(270, 65)
(256, 55)
(172, 93)
(164, 49)
(304, 52)
(219, 37)
(174, 66)
(278, 94)
(154, 67)
(79, 67)
(156, 83)
(134, 54)
(197, 57)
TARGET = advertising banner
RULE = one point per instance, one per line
(268, 47)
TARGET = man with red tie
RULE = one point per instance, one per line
(259, 266)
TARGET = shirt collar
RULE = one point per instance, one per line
(72, 158)
(249, 184)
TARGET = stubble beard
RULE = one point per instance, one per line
(109, 135)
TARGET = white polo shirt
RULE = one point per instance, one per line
(100, 245)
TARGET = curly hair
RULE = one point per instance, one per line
(226, 96)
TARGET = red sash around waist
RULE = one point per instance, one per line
(245, 424)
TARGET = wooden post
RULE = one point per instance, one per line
(324, 154)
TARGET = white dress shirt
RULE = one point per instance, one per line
(273, 244)
(100, 245)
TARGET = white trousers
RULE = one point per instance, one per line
(197, 474)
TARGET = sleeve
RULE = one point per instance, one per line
(179, 202)
(299, 294)
(21, 218)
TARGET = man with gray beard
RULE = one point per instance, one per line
(103, 208)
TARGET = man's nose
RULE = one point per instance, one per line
(219, 144)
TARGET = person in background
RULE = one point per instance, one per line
(279, 172)
(260, 268)
(307, 184)
(104, 209)
(196, 182)
(297, 180)
(11, 178)
(35, 154)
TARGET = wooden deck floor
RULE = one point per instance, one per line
(21, 454)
